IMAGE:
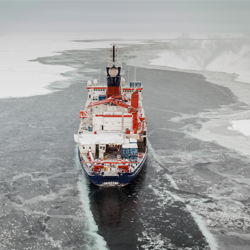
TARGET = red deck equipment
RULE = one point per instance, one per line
(125, 167)
(135, 105)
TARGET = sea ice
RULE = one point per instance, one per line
(20, 77)
(243, 126)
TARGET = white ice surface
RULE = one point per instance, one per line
(20, 77)
(243, 126)
(218, 127)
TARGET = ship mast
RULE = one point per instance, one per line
(113, 54)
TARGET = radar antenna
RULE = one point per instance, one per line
(114, 51)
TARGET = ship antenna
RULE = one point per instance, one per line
(113, 57)
(134, 73)
(113, 54)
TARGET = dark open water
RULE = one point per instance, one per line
(46, 202)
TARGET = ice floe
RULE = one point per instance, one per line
(243, 126)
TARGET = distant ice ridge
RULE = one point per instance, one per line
(20, 77)
(217, 54)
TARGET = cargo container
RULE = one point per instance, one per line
(133, 158)
(133, 149)
(132, 140)
(125, 149)
(102, 97)
(125, 157)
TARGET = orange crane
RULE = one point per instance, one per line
(117, 100)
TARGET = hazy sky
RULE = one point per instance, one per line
(125, 16)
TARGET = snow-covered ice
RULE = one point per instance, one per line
(20, 77)
(243, 126)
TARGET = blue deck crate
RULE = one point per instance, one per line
(102, 97)
(125, 157)
(125, 151)
(133, 158)
(133, 151)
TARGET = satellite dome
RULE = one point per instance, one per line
(113, 72)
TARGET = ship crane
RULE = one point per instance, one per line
(115, 100)
(107, 100)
